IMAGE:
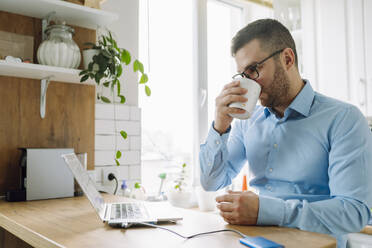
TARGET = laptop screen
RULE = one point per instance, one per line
(85, 182)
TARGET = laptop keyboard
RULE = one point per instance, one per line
(131, 210)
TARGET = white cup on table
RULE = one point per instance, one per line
(206, 199)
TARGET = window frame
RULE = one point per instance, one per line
(200, 71)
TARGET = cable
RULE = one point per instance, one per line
(110, 177)
(192, 236)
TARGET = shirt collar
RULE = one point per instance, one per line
(302, 103)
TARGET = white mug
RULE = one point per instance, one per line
(206, 199)
(254, 90)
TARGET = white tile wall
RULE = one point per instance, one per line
(108, 157)
(107, 113)
(108, 127)
(134, 172)
(107, 142)
(135, 143)
(135, 113)
(128, 118)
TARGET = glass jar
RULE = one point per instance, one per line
(59, 49)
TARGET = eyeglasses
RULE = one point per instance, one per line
(251, 71)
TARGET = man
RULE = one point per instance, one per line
(310, 155)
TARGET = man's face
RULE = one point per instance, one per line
(272, 77)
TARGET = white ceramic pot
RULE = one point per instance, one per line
(180, 198)
(88, 56)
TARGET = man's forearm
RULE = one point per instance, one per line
(335, 216)
(217, 168)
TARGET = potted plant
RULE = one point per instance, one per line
(179, 193)
(106, 67)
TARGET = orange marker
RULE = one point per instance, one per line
(244, 187)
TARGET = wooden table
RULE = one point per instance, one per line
(72, 222)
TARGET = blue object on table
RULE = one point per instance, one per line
(259, 242)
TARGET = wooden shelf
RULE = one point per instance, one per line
(73, 14)
(36, 71)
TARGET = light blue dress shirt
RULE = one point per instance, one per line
(312, 167)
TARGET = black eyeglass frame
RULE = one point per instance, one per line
(254, 66)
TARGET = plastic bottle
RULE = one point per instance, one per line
(124, 190)
(138, 192)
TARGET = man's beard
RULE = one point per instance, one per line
(277, 93)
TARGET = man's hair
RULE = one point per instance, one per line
(271, 34)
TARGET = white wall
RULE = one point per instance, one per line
(126, 32)
(128, 116)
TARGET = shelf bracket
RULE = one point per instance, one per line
(44, 86)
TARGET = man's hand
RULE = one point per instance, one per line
(239, 208)
(230, 93)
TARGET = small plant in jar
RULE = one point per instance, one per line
(180, 181)
(179, 194)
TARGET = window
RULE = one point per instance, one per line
(223, 21)
(170, 131)
(166, 51)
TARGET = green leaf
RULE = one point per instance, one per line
(105, 99)
(115, 44)
(117, 162)
(106, 54)
(106, 84)
(141, 67)
(144, 79)
(137, 185)
(184, 165)
(122, 99)
(148, 90)
(125, 57)
(84, 78)
(117, 60)
(136, 65)
(124, 134)
(118, 87)
(112, 68)
(120, 71)
(118, 154)
(98, 77)
(83, 72)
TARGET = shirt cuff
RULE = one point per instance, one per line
(215, 138)
(271, 211)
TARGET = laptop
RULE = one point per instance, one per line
(119, 214)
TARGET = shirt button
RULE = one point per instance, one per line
(268, 187)
(217, 142)
(209, 164)
(271, 169)
(275, 145)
